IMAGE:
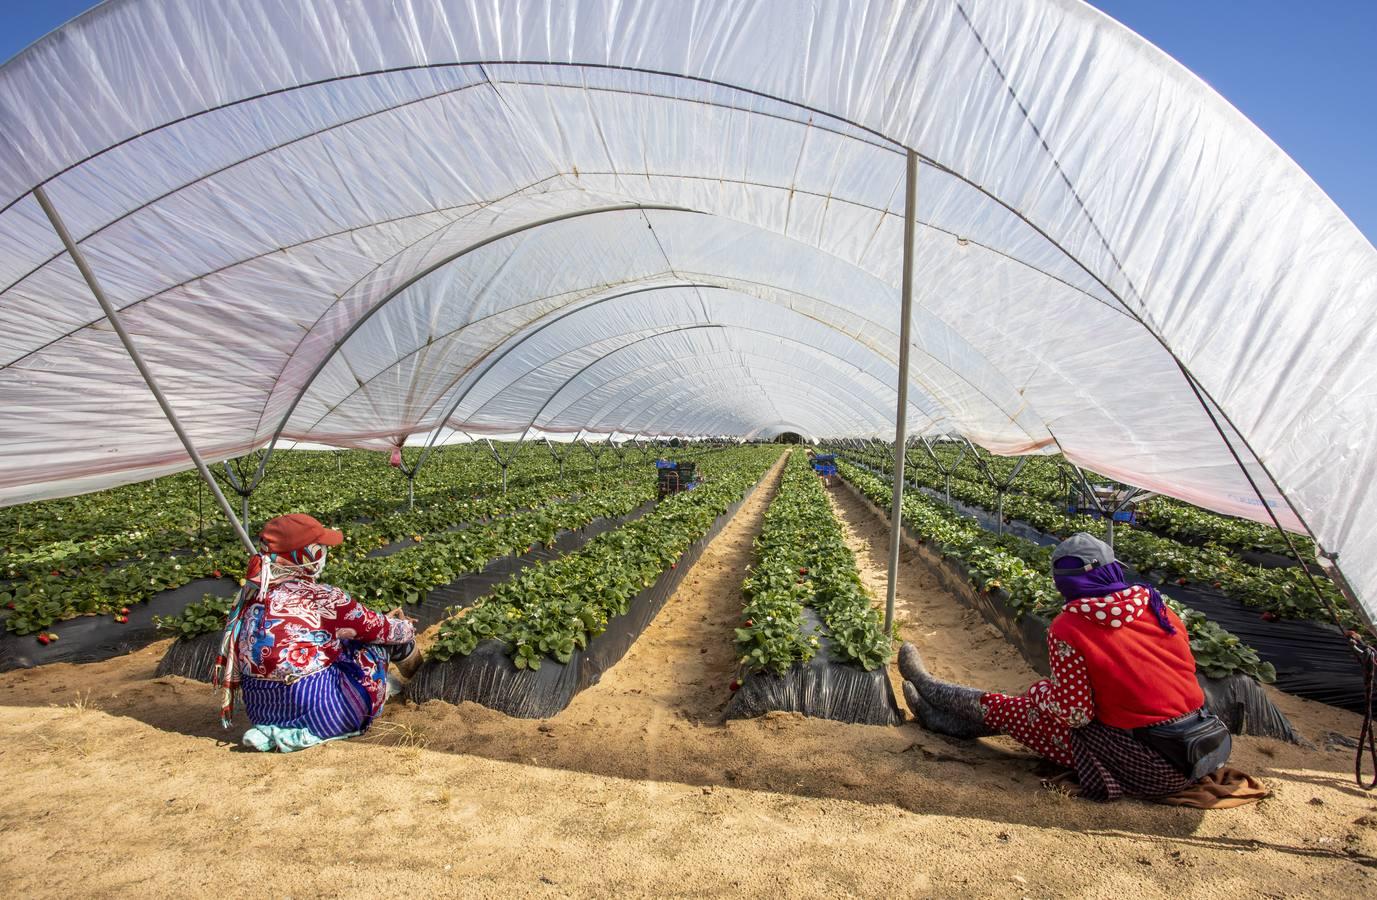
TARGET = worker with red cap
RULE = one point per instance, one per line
(309, 660)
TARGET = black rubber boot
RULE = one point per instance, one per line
(941, 722)
(941, 706)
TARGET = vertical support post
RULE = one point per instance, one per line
(901, 413)
(110, 314)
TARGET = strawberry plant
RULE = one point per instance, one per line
(408, 575)
(98, 553)
(1020, 570)
(552, 610)
(801, 559)
(1285, 592)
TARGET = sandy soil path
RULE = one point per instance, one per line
(118, 783)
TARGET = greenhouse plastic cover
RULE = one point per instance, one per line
(350, 223)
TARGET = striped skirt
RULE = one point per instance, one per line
(340, 700)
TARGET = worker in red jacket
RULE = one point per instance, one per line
(1122, 706)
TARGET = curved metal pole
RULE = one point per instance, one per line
(711, 419)
(873, 349)
(825, 402)
(825, 407)
(585, 368)
(91, 282)
(453, 407)
(444, 261)
(670, 397)
(608, 355)
(623, 402)
(855, 396)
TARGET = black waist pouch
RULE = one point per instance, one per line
(1197, 743)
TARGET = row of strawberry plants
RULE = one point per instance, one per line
(801, 559)
(407, 576)
(1168, 517)
(1021, 570)
(1278, 592)
(57, 538)
(334, 483)
(154, 518)
(36, 602)
(554, 609)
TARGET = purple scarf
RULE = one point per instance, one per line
(1107, 579)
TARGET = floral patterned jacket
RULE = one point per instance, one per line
(302, 628)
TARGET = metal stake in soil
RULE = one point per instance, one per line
(901, 414)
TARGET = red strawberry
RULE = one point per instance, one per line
(124, 610)
(735, 685)
(1270, 616)
(1180, 581)
(216, 573)
(42, 638)
(1217, 585)
(749, 623)
(122, 619)
(674, 565)
(56, 573)
(803, 571)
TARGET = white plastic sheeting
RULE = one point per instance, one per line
(349, 223)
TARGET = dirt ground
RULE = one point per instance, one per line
(118, 782)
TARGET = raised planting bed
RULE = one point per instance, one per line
(1234, 571)
(193, 654)
(101, 553)
(1308, 658)
(539, 639)
(93, 638)
(811, 640)
(984, 572)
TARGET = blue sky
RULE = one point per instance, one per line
(1305, 72)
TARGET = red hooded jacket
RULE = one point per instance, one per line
(1139, 674)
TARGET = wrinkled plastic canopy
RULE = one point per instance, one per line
(353, 223)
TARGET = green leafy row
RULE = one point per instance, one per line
(408, 575)
(554, 609)
(1020, 569)
(99, 553)
(1284, 592)
(1041, 480)
(801, 559)
(37, 602)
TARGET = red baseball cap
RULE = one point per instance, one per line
(293, 532)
